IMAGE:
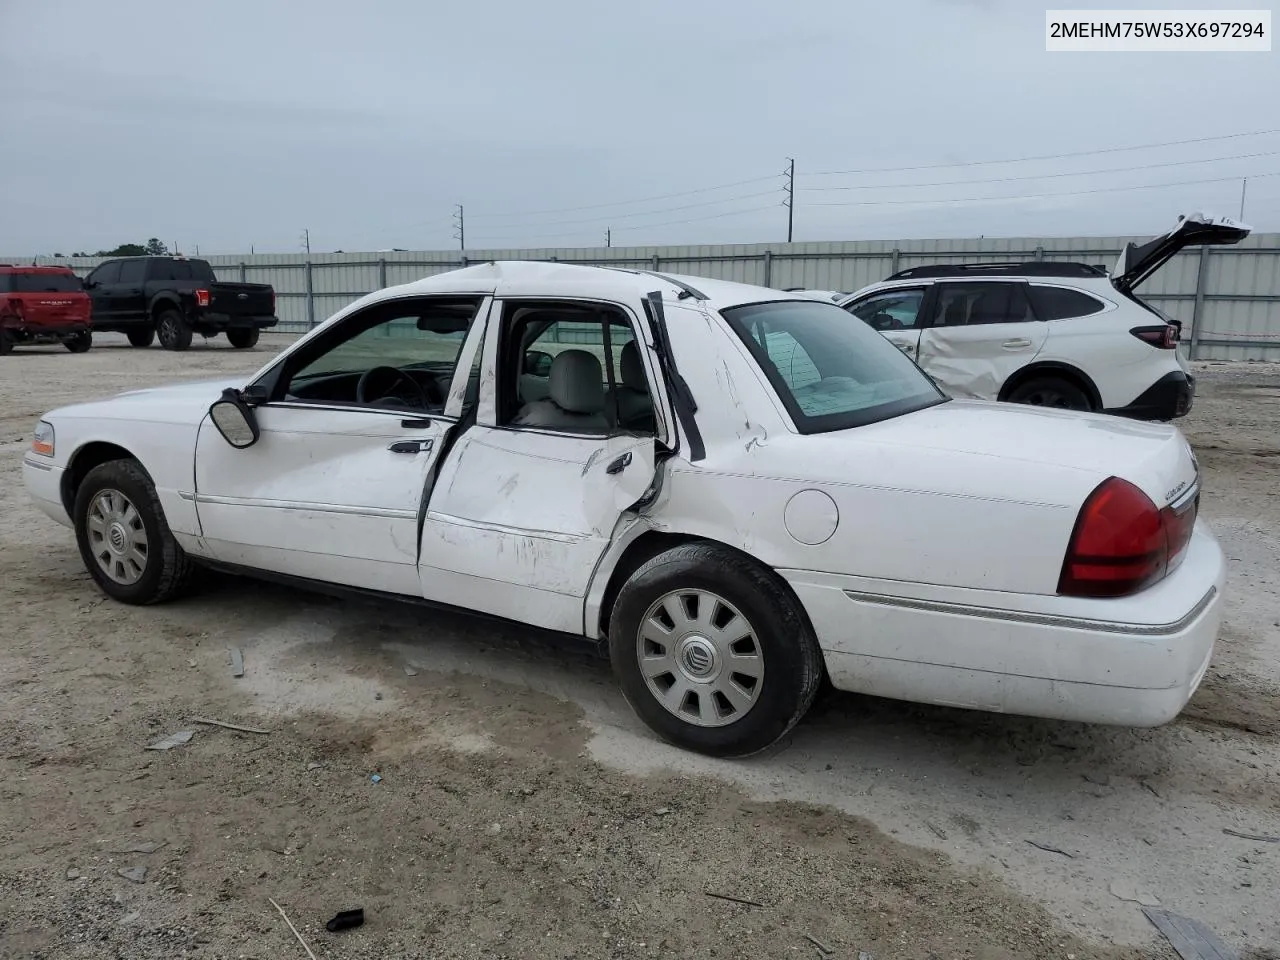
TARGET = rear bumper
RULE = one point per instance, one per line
(1132, 662)
(1168, 398)
(37, 332)
(226, 321)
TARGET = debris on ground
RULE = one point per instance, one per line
(314, 766)
(1260, 838)
(138, 846)
(1127, 890)
(173, 740)
(237, 662)
(293, 928)
(941, 834)
(1190, 938)
(346, 919)
(228, 726)
(376, 778)
(409, 671)
(1051, 849)
(135, 874)
(73, 873)
(822, 947)
(733, 899)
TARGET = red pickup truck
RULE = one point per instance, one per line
(44, 305)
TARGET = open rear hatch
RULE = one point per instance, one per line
(1138, 261)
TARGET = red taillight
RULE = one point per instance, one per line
(1164, 337)
(1122, 543)
(202, 298)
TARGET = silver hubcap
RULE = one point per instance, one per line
(700, 658)
(117, 538)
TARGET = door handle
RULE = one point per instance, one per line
(1016, 344)
(411, 446)
(620, 464)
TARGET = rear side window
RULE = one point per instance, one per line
(1059, 303)
(43, 283)
(972, 304)
(132, 271)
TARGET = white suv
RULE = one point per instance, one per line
(1054, 334)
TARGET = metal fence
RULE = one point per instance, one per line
(1228, 298)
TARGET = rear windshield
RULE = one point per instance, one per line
(831, 371)
(39, 283)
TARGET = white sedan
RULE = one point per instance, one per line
(736, 489)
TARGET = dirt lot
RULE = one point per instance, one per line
(523, 811)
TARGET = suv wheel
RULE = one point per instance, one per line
(1051, 392)
(173, 330)
(242, 338)
(6, 342)
(712, 651)
(80, 343)
(142, 338)
(124, 539)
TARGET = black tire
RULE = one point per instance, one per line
(6, 342)
(167, 570)
(243, 338)
(142, 338)
(780, 635)
(1055, 392)
(173, 331)
(80, 343)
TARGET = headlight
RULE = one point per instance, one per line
(42, 440)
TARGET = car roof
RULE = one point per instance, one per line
(538, 278)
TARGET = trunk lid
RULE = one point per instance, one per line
(242, 299)
(54, 309)
(1138, 261)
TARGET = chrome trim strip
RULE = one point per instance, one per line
(354, 408)
(186, 495)
(1039, 619)
(302, 505)
(37, 465)
(506, 530)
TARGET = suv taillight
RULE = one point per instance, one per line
(1121, 543)
(1165, 336)
(202, 298)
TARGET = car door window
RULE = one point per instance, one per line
(892, 310)
(574, 368)
(107, 273)
(975, 304)
(132, 271)
(397, 355)
(1059, 303)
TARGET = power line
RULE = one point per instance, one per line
(1050, 156)
(1035, 196)
(623, 203)
(1044, 176)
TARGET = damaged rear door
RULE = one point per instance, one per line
(978, 334)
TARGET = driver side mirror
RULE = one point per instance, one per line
(234, 419)
(538, 363)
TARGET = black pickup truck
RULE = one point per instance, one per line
(173, 298)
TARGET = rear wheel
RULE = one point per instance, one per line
(712, 651)
(1051, 392)
(6, 342)
(142, 338)
(124, 539)
(173, 330)
(242, 338)
(80, 343)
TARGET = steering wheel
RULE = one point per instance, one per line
(377, 383)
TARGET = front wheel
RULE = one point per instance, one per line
(6, 342)
(173, 331)
(712, 651)
(242, 338)
(80, 343)
(1051, 392)
(124, 539)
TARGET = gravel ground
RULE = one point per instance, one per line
(522, 810)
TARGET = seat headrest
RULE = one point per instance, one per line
(631, 368)
(576, 382)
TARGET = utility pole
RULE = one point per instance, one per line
(1244, 185)
(460, 228)
(306, 240)
(608, 237)
(790, 202)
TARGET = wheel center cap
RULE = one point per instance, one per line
(697, 658)
(118, 538)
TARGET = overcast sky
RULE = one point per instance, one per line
(233, 124)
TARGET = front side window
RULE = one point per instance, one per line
(398, 355)
(831, 373)
(893, 310)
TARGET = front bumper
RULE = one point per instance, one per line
(1131, 662)
(43, 479)
(1168, 398)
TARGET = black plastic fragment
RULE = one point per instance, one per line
(346, 920)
